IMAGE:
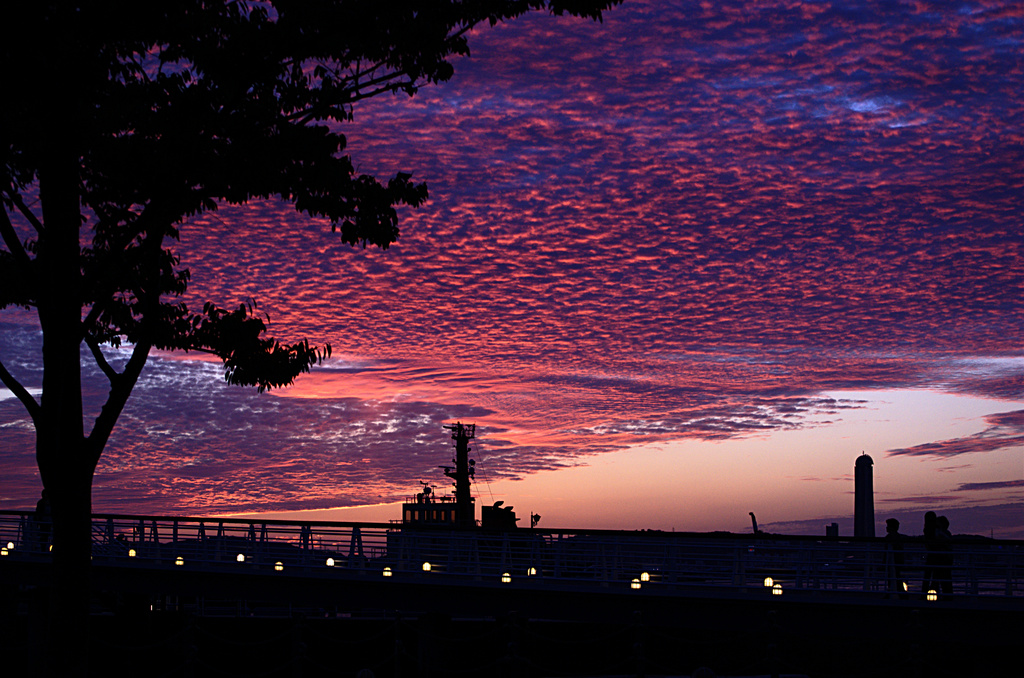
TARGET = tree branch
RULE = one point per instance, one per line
(120, 390)
(10, 237)
(27, 213)
(353, 87)
(121, 385)
(101, 360)
(103, 287)
(307, 114)
(21, 392)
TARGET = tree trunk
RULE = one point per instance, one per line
(62, 452)
(68, 616)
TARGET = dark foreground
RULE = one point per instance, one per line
(181, 597)
(732, 638)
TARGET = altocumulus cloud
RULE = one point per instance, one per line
(687, 222)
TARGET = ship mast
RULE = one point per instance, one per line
(463, 473)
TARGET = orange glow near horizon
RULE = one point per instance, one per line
(706, 486)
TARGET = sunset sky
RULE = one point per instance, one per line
(677, 266)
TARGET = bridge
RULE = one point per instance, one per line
(713, 587)
(985, 573)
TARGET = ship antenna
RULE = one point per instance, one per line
(462, 434)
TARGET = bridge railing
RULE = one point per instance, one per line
(974, 567)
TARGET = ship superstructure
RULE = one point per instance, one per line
(428, 509)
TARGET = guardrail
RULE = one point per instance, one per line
(974, 567)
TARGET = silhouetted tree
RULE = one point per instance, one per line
(123, 118)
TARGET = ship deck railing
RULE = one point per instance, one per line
(979, 568)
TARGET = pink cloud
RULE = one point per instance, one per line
(687, 222)
(1006, 430)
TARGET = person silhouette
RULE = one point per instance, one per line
(894, 558)
(943, 572)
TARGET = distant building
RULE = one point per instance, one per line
(863, 498)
